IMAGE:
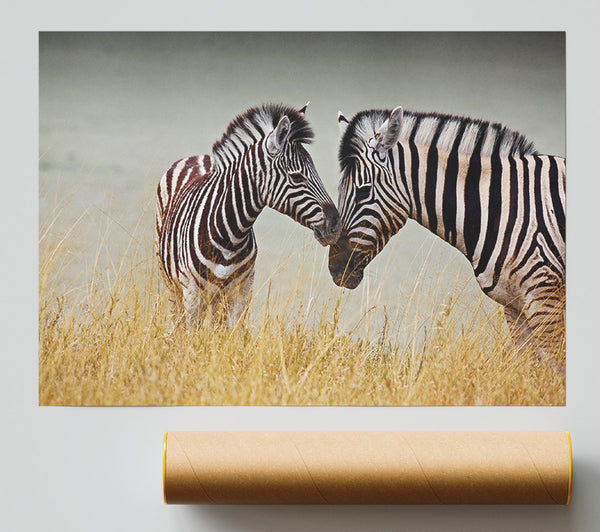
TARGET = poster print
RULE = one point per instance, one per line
(207, 238)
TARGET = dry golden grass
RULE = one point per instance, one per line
(109, 342)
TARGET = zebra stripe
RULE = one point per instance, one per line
(206, 207)
(479, 186)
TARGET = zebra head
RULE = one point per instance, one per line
(292, 185)
(369, 203)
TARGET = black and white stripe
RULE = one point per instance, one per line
(206, 207)
(479, 186)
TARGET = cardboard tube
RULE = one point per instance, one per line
(367, 467)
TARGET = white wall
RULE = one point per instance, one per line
(100, 468)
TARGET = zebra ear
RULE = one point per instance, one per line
(303, 110)
(390, 130)
(277, 138)
(342, 123)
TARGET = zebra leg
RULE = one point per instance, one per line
(175, 303)
(176, 310)
(526, 332)
(193, 305)
(240, 301)
(519, 328)
(548, 324)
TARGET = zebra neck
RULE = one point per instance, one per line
(237, 206)
(445, 191)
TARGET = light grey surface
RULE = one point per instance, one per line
(99, 468)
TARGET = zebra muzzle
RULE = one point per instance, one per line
(345, 265)
(327, 231)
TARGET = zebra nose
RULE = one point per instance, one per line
(327, 231)
(332, 216)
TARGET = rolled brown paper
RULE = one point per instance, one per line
(367, 467)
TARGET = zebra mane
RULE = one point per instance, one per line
(256, 123)
(479, 136)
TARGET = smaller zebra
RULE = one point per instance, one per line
(479, 186)
(206, 208)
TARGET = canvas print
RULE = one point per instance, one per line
(304, 218)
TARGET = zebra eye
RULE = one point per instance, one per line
(363, 193)
(297, 178)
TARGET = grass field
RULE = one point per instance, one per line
(107, 340)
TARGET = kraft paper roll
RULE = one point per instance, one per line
(367, 467)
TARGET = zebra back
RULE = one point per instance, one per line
(446, 131)
(174, 180)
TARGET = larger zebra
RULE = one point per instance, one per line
(206, 207)
(477, 185)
